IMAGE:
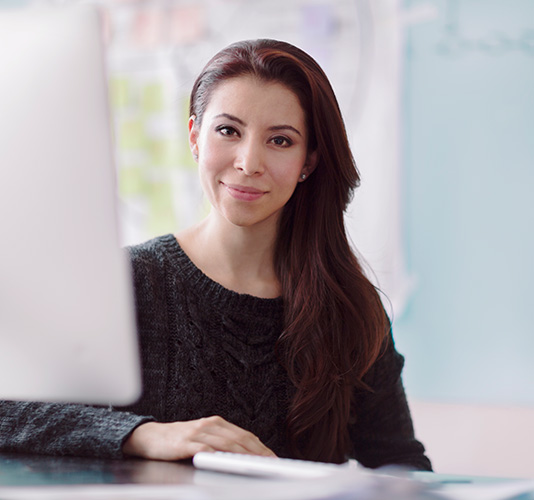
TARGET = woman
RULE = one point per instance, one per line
(259, 331)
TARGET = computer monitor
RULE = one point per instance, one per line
(67, 326)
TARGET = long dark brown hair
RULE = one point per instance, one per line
(335, 325)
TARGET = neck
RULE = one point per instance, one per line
(239, 258)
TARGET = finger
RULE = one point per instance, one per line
(219, 434)
(221, 443)
(226, 436)
(194, 447)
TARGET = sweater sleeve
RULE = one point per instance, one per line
(65, 429)
(382, 432)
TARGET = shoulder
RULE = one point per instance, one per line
(153, 254)
(387, 369)
(149, 251)
(148, 260)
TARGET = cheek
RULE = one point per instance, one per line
(287, 170)
(213, 156)
(208, 179)
(209, 163)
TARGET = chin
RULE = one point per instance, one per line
(250, 220)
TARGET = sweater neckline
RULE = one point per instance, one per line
(214, 292)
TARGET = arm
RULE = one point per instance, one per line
(73, 429)
(65, 429)
(179, 440)
(383, 433)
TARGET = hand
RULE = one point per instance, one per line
(179, 440)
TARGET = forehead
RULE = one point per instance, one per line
(260, 101)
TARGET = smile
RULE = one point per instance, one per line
(243, 193)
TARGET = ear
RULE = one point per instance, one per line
(309, 165)
(193, 137)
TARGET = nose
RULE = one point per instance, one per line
(249, 158)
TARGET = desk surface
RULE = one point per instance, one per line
(38, 470)
(40, 477)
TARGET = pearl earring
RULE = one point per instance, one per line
(303, 176)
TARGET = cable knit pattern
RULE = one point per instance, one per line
(219, 345)
(209, 351)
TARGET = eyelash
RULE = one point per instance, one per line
(288, 142)
(228, 131)
(226, 128)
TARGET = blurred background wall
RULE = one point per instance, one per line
(468, 158)
(437, 96)
(468, 214)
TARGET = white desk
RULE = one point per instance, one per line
(34, 477)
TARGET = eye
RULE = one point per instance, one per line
(282, 141)
(226, 130)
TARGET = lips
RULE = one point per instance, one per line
(243, 193)
(244, 189)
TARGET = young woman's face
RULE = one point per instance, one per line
(251, 149)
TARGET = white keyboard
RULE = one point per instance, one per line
(254, 465)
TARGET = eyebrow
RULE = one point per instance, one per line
(241, 122)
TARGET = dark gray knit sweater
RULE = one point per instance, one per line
(209, 351)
